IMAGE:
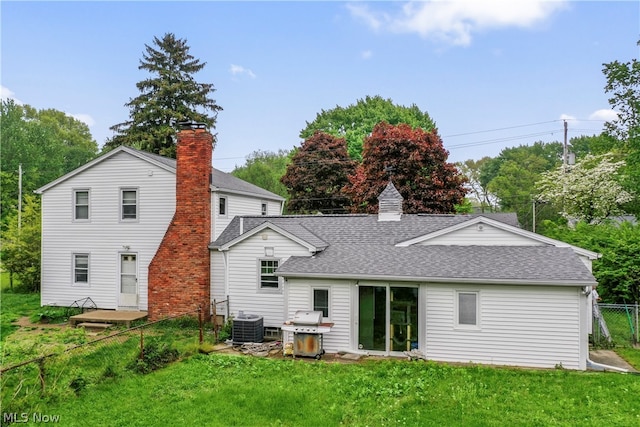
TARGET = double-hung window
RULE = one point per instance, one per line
(222, 206)
(467, 309)
(321, 301)
(129, 204)
(80, 205)
(263, 208)
(268, 279)
(80, 269)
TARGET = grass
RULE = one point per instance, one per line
(631, 355)
(619, 326)
(226, 390)
(14, 305)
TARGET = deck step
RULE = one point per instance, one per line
(93, 325)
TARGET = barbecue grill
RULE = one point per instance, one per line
(308, 330)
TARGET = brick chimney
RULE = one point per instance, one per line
(179, 272)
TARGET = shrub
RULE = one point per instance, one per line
(53, 314)
(155, 355)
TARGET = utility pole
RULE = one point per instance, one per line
(565, 151)
(19, 197)
(534, 214)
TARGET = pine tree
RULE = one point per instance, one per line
(170, 96)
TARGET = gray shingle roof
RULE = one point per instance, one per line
(222, 180)
(444, 263)
(225, 182)
(360, 246)
(357, 229)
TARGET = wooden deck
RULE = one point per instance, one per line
(108, 316)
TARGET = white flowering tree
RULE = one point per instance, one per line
(588, 191)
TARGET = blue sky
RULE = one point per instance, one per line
(491, 74)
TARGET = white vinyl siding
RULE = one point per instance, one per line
(523, 326)
(300, 297)
(243, 276)
(106, 236)
(237, 205)
(482, 235)
(81, 205)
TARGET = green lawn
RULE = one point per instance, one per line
(225, 390)
(14, 306)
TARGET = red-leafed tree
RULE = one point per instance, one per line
(316, 175)
(416, 162)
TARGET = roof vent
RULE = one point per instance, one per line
(390, 204)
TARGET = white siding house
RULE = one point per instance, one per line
(103, 222)
(457, 288)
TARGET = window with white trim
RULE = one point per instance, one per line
(80, 205)
(321, 301)
(129, 204)
(80, 269)
(263, 208)
(467, 309)
(222, 206)
(268, 279)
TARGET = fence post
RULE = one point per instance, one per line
(141, 344)
(200, 322)
(41, 373)
(637, 323)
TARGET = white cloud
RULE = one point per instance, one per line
(85, 118)
(239, 70)
(455, 21)
(567, 117)
(366, 54)
(604, 115)
(5, 93)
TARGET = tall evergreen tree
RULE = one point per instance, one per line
(171, 95)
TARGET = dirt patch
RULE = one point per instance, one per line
(25, 322)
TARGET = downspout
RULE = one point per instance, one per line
(602, 367)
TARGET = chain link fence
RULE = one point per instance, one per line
(27, 386)
(617, 326)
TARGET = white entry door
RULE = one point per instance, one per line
(128, 281)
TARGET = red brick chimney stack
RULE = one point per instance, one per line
(179, 272)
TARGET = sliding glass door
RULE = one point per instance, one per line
(388, 318)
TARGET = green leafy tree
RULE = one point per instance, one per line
(623, 87)
(511, 177)
(588, 191)
(595, 144)
(618, 271)
(21, 244)
(170, 96)
(355, 122)
(265, 169)
(480, 195)
(318, 171)
(47, 143)
(416, 161)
